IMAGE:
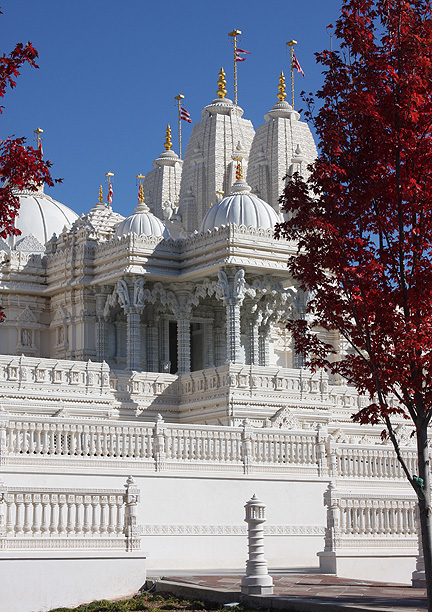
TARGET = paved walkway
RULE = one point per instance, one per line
(298, 592)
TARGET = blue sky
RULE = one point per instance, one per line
(109, 71)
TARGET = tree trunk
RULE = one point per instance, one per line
(425, 507)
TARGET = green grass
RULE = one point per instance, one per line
(146, 602)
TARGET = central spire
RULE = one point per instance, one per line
(168, 141)
(221, 92)
(282, 94)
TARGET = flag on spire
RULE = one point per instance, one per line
(239, 55)
(110, 195)
(296, 65)
(185, 115)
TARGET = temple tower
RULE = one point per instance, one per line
(216, 142)
(282, 145)
(162, 184)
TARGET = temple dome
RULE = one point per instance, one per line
(39, 217)
(142, 223)
(241, 208)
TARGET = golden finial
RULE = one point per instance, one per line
(221, 92)
(281, 95)
(141, 194)
(38, 131)
(100, 194)
(140, 177)
(239, 171)
(168, 142)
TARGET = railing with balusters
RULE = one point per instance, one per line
(28, 440)
(356, 519)
(354, 461)
(69, 518)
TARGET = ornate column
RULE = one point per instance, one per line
(133, 340)
(153, 345)
(183, 343)
(232, 291)
(264, 356)
(101, 326)
(183, 314)
(133, 312)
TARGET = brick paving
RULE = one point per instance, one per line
(314, 591)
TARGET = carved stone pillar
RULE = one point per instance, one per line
(101, 328)
(153, 346)
(133, 335)
(101, 339)
(133, 358)
(264, 348)
(232, 291)
(298, 360)
(254, 346)
(233, 331)
(143, 328)
(183, 344)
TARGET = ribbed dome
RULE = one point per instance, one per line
(142, 223)
(38, 219)
(240, 208)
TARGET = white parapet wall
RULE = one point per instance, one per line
(370, 535)
(64, 546)
(194, 478)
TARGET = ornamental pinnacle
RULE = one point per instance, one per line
(168, 141)
(282, 94)
(221, 92)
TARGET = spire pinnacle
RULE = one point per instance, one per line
(282, 94)
(100, 198)
(168, 141)
(221, 92)
(239, 170)
(141, 193)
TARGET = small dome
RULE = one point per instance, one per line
(38, 219)
(142, 223)
(241, 208)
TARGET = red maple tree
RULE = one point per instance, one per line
(21, 166)
(363, 222)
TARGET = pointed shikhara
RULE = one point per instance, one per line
(363, 221)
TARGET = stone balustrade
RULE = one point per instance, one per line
(48, 437)
(354, 518)
(354, 461)
(29, 440)
(363, 527)
(76, 385)
(286, 381)
(39, 518)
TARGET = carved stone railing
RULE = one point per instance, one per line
(27, 440)
(357, 519)
(293, 383)
(355, 461)
(39, 518)
(56, 381)
(142, 389)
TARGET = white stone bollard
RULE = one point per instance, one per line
(257, 580)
